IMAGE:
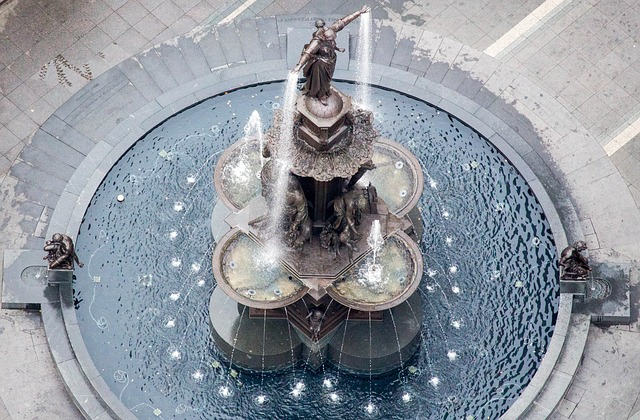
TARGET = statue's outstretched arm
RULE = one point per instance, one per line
(307, 54)
(341, 23)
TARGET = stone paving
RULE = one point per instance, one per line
(585, 55)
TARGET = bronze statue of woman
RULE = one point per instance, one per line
(319, 57)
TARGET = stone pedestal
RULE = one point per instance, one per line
(59, 277)
(319, 194)
(24, 280)
(255, 342)
(323, 125)
(379, 346)
(251, 343)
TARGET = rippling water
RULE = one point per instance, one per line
(490, 290)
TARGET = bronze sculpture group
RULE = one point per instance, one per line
(574, 265)
(61, 253)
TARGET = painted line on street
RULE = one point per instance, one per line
(526, 26)
(624, 137)
(244, 6)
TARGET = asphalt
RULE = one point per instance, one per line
(574, 73)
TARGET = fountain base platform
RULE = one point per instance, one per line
(374, 346)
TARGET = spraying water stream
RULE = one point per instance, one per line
(363, 73)
(372, 272)
(284, 149)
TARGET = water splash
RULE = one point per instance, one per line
(174, 353)
(253, 129)
(298, 389)
(375, 239)
(363, 73)
(371, 273)
(197, 376)
(224, 391)
(370, 408)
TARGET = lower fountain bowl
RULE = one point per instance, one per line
(265, 343)
(386, 351)
(400, 263)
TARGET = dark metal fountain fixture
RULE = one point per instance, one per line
(327, 274)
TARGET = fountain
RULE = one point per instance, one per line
(444, 311)
(316, 227)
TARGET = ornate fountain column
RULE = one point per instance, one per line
(322, 276)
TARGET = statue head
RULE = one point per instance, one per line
(319, 23)
(580, 245)
(57, 237)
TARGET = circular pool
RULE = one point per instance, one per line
(489, 287)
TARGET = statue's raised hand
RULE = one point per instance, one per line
(365, 9)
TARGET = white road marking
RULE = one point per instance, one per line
(244, 6)
(622, 138)
(527, 25)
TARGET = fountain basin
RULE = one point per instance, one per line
(246, 270)
(251, 279)
(501, 320)
(398, 264)
(397, 175)
(238, 179)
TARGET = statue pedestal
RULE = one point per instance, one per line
(59, 277)
(375, 343)
(323, 126)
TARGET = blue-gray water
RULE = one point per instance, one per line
(490, 287)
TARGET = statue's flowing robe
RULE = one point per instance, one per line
(319, 69)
